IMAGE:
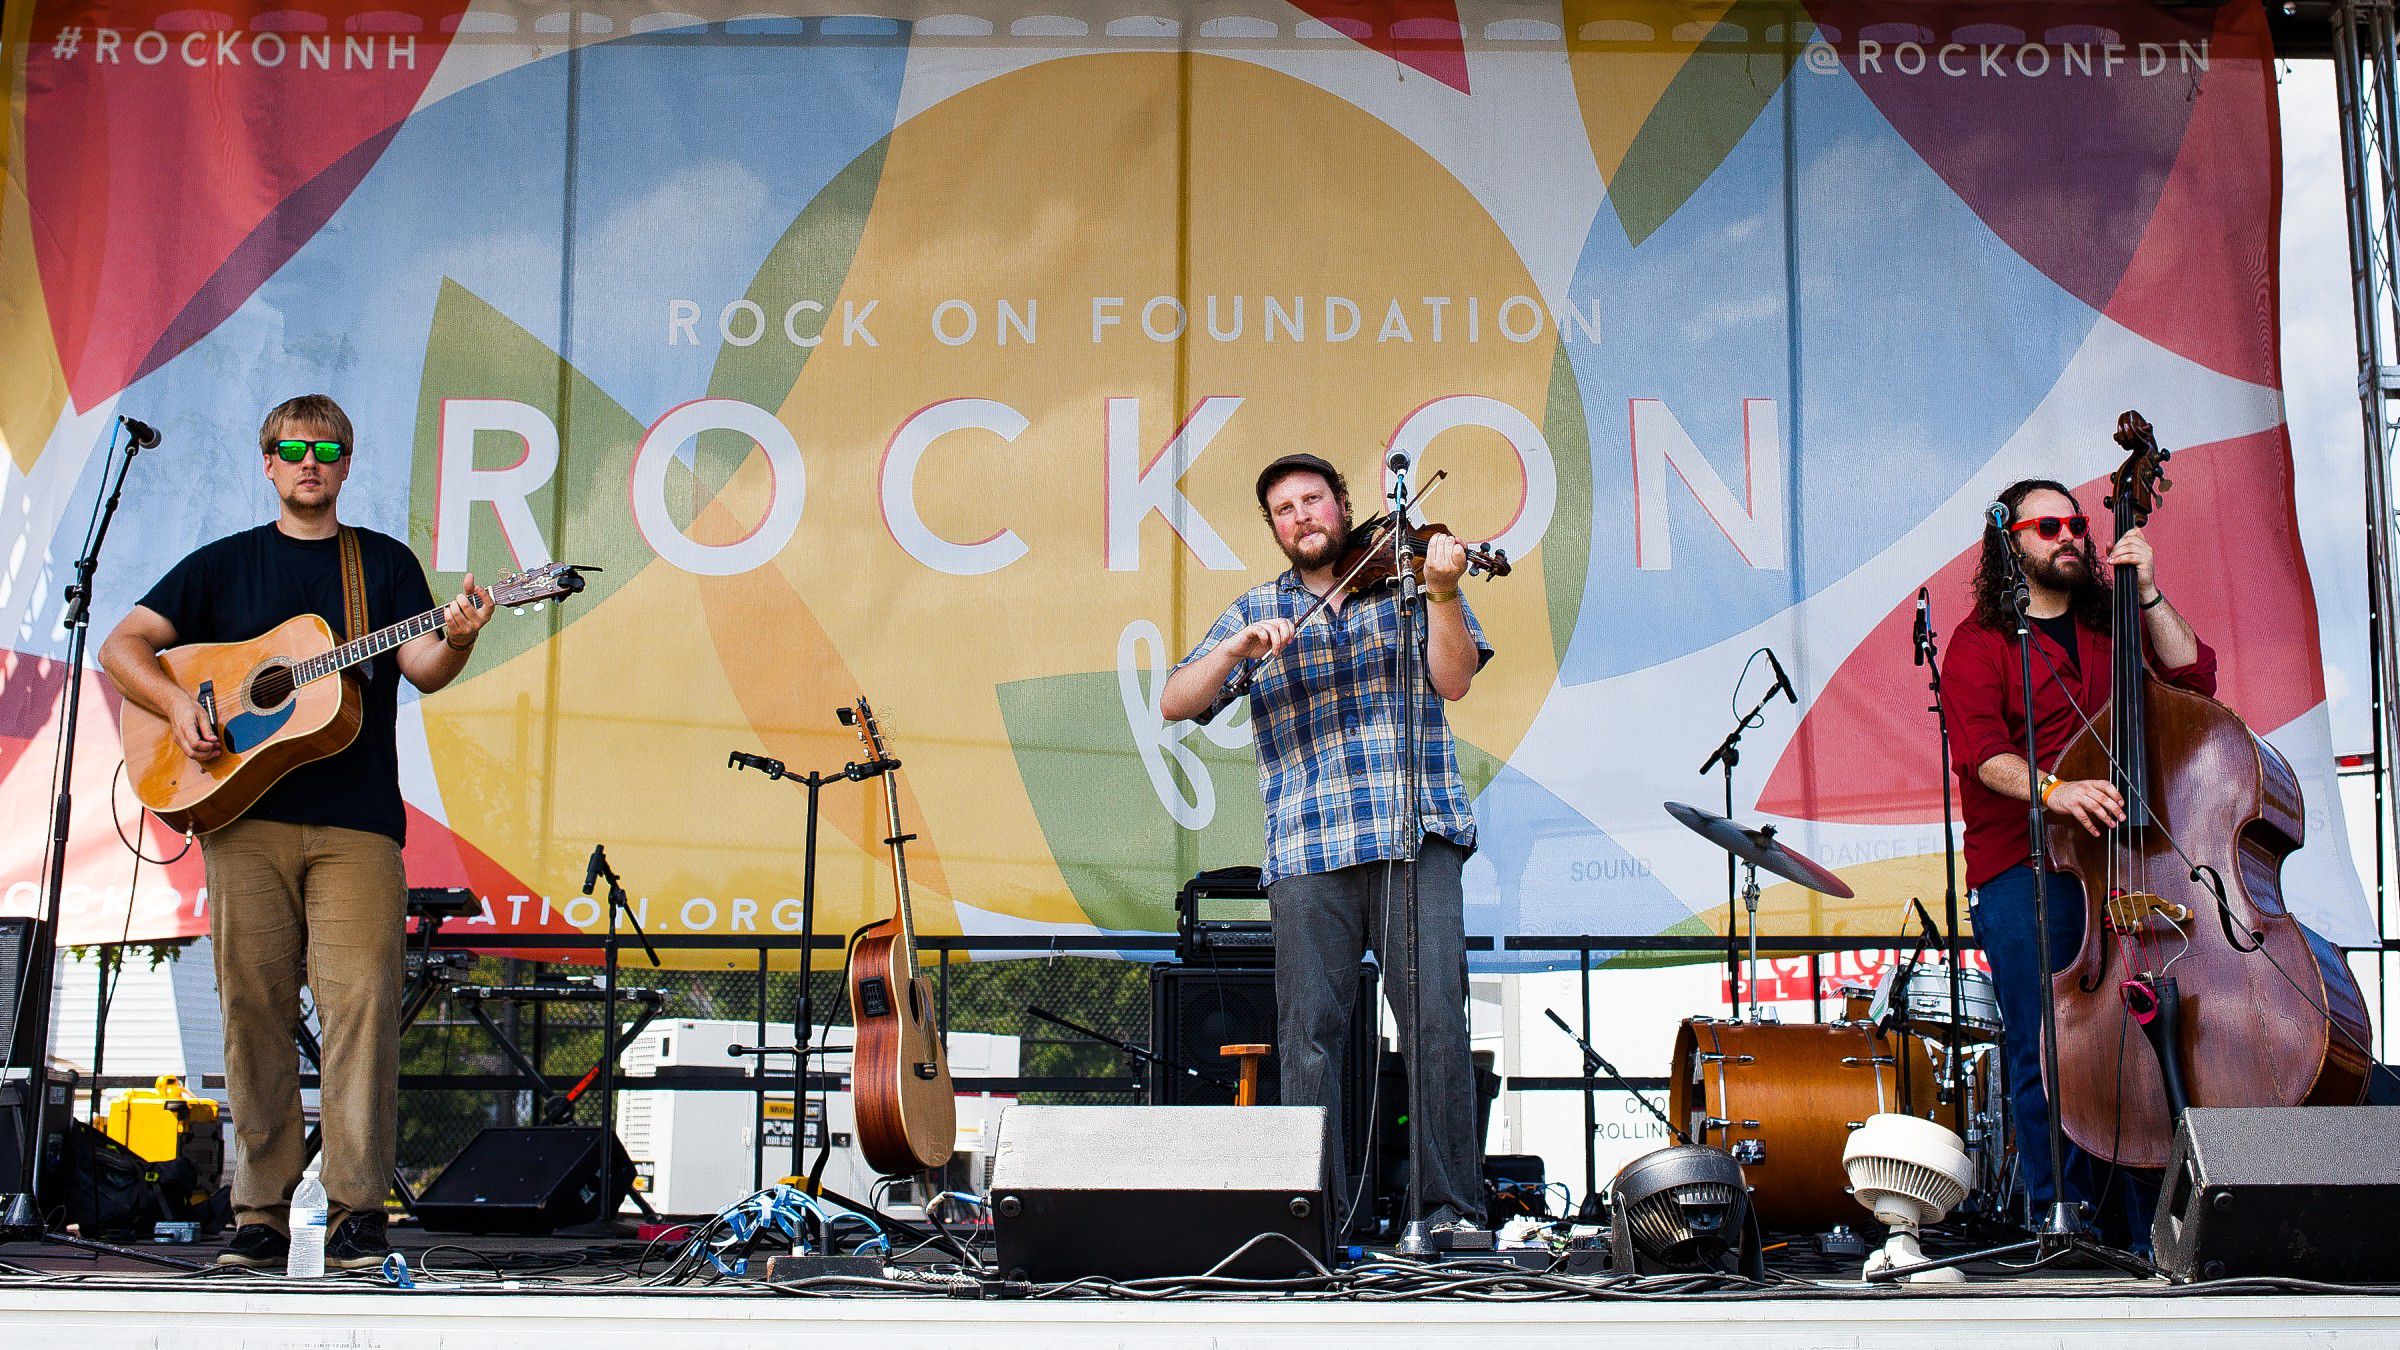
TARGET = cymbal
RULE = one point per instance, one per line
(1760, 846)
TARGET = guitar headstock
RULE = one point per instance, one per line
(2138, 483)
(550, 581)
(862, 718)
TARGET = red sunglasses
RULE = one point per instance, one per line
(2048, 527)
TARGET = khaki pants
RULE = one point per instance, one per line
(288, 903)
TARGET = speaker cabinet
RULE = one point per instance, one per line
(2301, 1191)
(1196, 1010)
(525, 1179)
(1135, 1192)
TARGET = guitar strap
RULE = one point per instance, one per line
(354, 588)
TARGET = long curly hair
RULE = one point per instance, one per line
(1993, 609)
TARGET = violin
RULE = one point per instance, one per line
(1366, 559)
(2194, 985)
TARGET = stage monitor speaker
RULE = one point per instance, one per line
(2296, 1191)
(524, 1179)
(1137, 1192)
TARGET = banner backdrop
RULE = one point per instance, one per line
(930, 353)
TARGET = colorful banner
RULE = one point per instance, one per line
(932, 357)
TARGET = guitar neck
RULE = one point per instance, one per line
(372, 645)
(891, 814)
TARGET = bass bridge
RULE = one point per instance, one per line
(2129, 910)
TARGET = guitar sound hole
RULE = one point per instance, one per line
(270, 687)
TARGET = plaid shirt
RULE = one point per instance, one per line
(1327, 717)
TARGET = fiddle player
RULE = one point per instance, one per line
(1328, 716)
(2069, 612)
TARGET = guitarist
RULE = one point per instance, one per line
(307, 886)
(1328, 721)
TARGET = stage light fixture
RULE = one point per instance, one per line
(1684, 1209)
(1909, 1173)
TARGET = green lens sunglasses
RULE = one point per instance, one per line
(326, 451)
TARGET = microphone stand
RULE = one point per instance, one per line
(1414, 1239)
(1928, 657)
(597, 870)
(804, 1016)
(21, 1212)
(1594, 1060)
(1727, 754)
(2056, 1233)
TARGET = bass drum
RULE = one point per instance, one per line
(1783, 1101)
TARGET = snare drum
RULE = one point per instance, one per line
(1927, 1003)
(1783, 1100)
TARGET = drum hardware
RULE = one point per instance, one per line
(1750, 1151)
(1756, 848)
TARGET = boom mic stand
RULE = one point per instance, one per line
(594, 871)
(2058, 1234)
(804, 1016)
(1727, 754)
(21, 1212)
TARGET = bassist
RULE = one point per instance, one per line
(307, 886)
(2069, 609)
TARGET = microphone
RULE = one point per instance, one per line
(593, 869)
(1932, 931)
(1998, 515)
(1924, 627)
(144, 436)
(1398, 463)
(772, 768)
(1782, 681)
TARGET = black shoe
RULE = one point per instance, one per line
(256, 1246)
(357, 1244)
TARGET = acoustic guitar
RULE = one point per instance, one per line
(278, 701)
(900, 1074)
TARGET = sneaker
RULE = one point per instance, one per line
(357, 1244)
(256, 1246)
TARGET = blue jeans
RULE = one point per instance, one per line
(2004, 921)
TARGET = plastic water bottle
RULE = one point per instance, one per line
(307, 1258)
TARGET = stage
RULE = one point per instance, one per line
(535, 1292)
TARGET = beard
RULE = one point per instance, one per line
(1315, 550)
(2071, 570)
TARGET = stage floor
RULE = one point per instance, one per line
(536, 1293)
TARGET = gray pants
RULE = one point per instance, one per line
(1324, 925)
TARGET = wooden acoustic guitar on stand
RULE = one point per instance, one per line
(277, 701)
(900, 1074)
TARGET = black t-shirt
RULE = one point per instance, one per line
(245, 584)
(2061, 629)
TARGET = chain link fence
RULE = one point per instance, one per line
(456, 1079)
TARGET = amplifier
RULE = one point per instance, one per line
(1221, 919)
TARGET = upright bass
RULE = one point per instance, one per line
(900, 1073)
(2194, 985)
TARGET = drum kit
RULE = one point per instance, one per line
(1783, 1099)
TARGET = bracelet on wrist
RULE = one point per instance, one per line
(1442, 597)
(2049, 785)
(454, 645)
(2155, 601)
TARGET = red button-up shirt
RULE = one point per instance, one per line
(1983, 699)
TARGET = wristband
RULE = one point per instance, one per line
(453, 645)
(2155, 601)
(2049, 785)
(1442, 597)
